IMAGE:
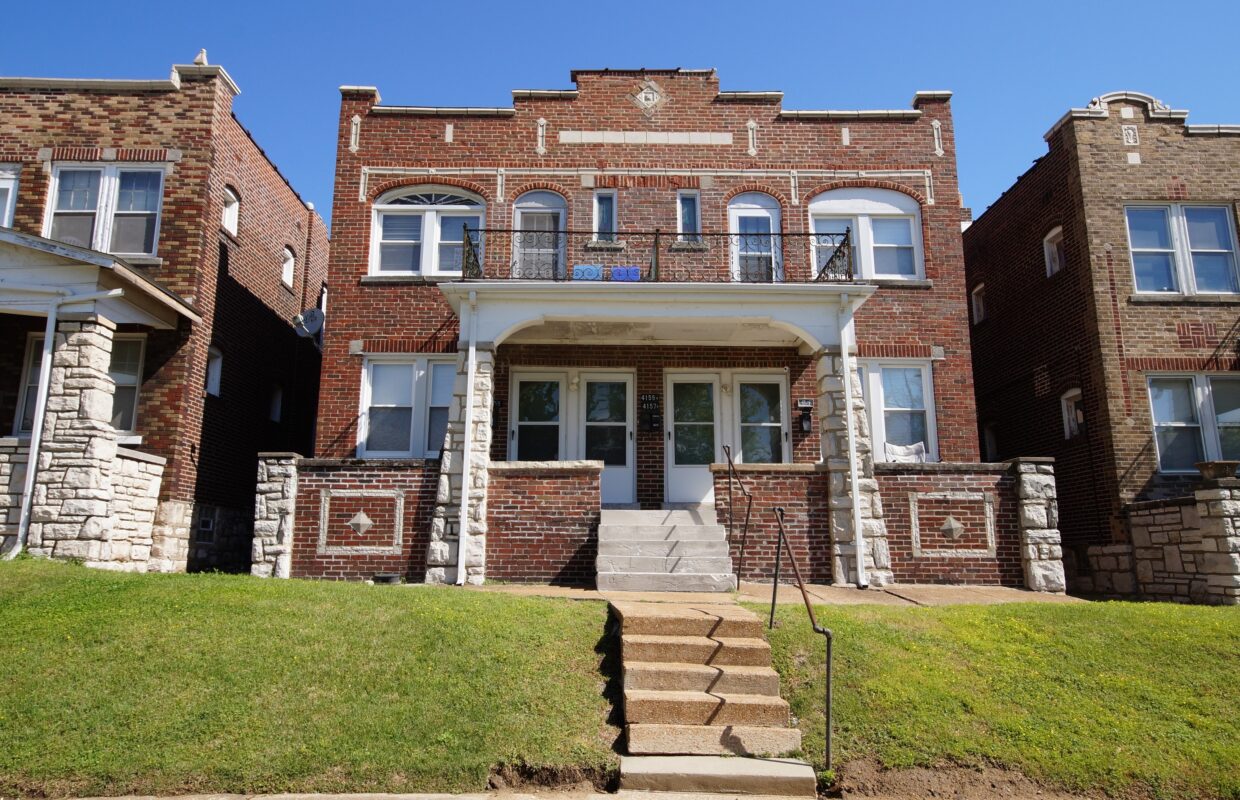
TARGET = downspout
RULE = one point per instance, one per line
(847, 332)
(467, 415)
(40, 403)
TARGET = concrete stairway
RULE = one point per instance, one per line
(698, 686)
(663, 551)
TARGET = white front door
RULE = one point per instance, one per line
(692, 437)
(607, 433)
(538, 414)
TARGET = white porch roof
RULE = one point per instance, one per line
(807, 316)
(34, 270)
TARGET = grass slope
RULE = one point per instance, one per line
(116, 684)
(1132, 699)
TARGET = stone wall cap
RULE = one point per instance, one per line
(941, 467)
(546, 466)
(138, 455)
(14, 441)
(1029, 460)
(363, 463)
(759, 468)
(1166, 502)
(278, 454)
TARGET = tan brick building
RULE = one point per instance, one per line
(1106, 311)
(144, 226)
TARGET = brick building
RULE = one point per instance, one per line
(148, 231)
(1105, 313)
(592, 301)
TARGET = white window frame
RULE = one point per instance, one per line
(230, 215)
(977, 300)
(420, 413)
(872, 393)
(105, 207)
(614, 234)
(757, 205)
(567, 409)
(9, 175)
(215, 371)
(779, 378)
(288, 267)
(428, 266)
(859, 207)
(1052, 244)
(1207, 423)
(276, 411)
(34, 343)
(1070, 402)
(683, 235)
(1181, 250)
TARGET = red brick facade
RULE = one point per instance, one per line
(1087, 327)
(543, 524)
(187, 126)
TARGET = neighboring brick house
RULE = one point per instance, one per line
(595, 297)
(154, 188)
(1106, 311)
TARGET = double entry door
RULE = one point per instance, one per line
(560, 416)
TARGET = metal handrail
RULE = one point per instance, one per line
(735, 478)
(782, 545)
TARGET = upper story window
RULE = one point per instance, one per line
(421, 231)
(1053, 251)
(8, 193)
(900, 398)
(978, 300)
(754, 225)
(689, 215)
(215, 370)
(885, 228)
(288, 267)
(1072, 408)
(605, 215)
(230, 218)
(112, 208)
(540, 218)
(1183, 249)
(1196, 418)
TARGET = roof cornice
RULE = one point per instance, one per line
(544, 94)
(1098, 109)
(894, 113)
(444, 111)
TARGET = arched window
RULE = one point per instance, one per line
(231, 216)
(288, 267)
(884, 227)
(753, 221)
(539, 219)
(420, 230)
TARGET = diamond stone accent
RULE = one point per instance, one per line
(360, 523)
(952, 528)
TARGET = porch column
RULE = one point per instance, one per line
(71, 514)
(836, 455)
(441, 557)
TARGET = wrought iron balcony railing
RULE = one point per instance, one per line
(654, 256)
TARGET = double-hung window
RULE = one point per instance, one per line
(688, 215)
(605, 215)
(1196, 418)
(8, 193)
(125, 370)
(1183, 249)
(422, 232)
(884, 229)
(115, 209)
(1053, 251)
(899, 397)
(405, 403)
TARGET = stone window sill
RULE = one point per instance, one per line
(903, 283)
(1185, 299)
(600, 244)
(407, 280)
(143, 261)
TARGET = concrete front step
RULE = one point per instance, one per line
(663, 582)
(718, 774)
(696, 650)
(702, 708)
(729, 679)
(696, 516)
(687, 619)
(610, 532)
(712, 740)
(704, 548)
(669, 565)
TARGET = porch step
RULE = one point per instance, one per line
(715, 651)
(610, 531)
(711, 740)
(687, 619)
(681, 677)
(704, 515)
(702, 708)
(718, 774)
(664, 582)
(671, 565)
(706, 548)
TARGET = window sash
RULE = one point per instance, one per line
(429, 246)
(882, 412)
(417, 407)
(8, 193)
(689, 216)
(288, 268)
(868, 251)
(1213, 438)
(605, 226)
(1187, 272)
(126, 377)
(112, 206)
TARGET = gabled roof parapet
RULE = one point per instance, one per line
(207, 71)
(1098, 109)
(895, 113)
(444, 111)
(931, 94)
(373, 91)
(544, 94)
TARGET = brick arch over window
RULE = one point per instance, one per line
(539, 186)
(429, 180)
(760, 188)
(864, 183)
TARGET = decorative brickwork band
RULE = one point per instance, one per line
(275, 506)
(1041, 551)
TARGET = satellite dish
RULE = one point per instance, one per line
(309, 322)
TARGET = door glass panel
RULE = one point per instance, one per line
(538, 421)
(693, 402)
(605, 402)
(606, 443)
(538, 245)
(755, 250)
(693, 428)
(695, 444)
(607, 422)
(760, 403)
(761, 420)
(538, 443)
(762, 444)
(1226, 394)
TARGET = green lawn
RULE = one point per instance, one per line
(115, 684)
(1133, 699)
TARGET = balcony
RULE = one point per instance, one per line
(629, 257)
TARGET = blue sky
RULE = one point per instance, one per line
(1014, 67)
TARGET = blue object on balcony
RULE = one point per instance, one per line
(626, 273)
(587, 272)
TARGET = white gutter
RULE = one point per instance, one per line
(40, 404)
(462, 537)
(847, 334)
